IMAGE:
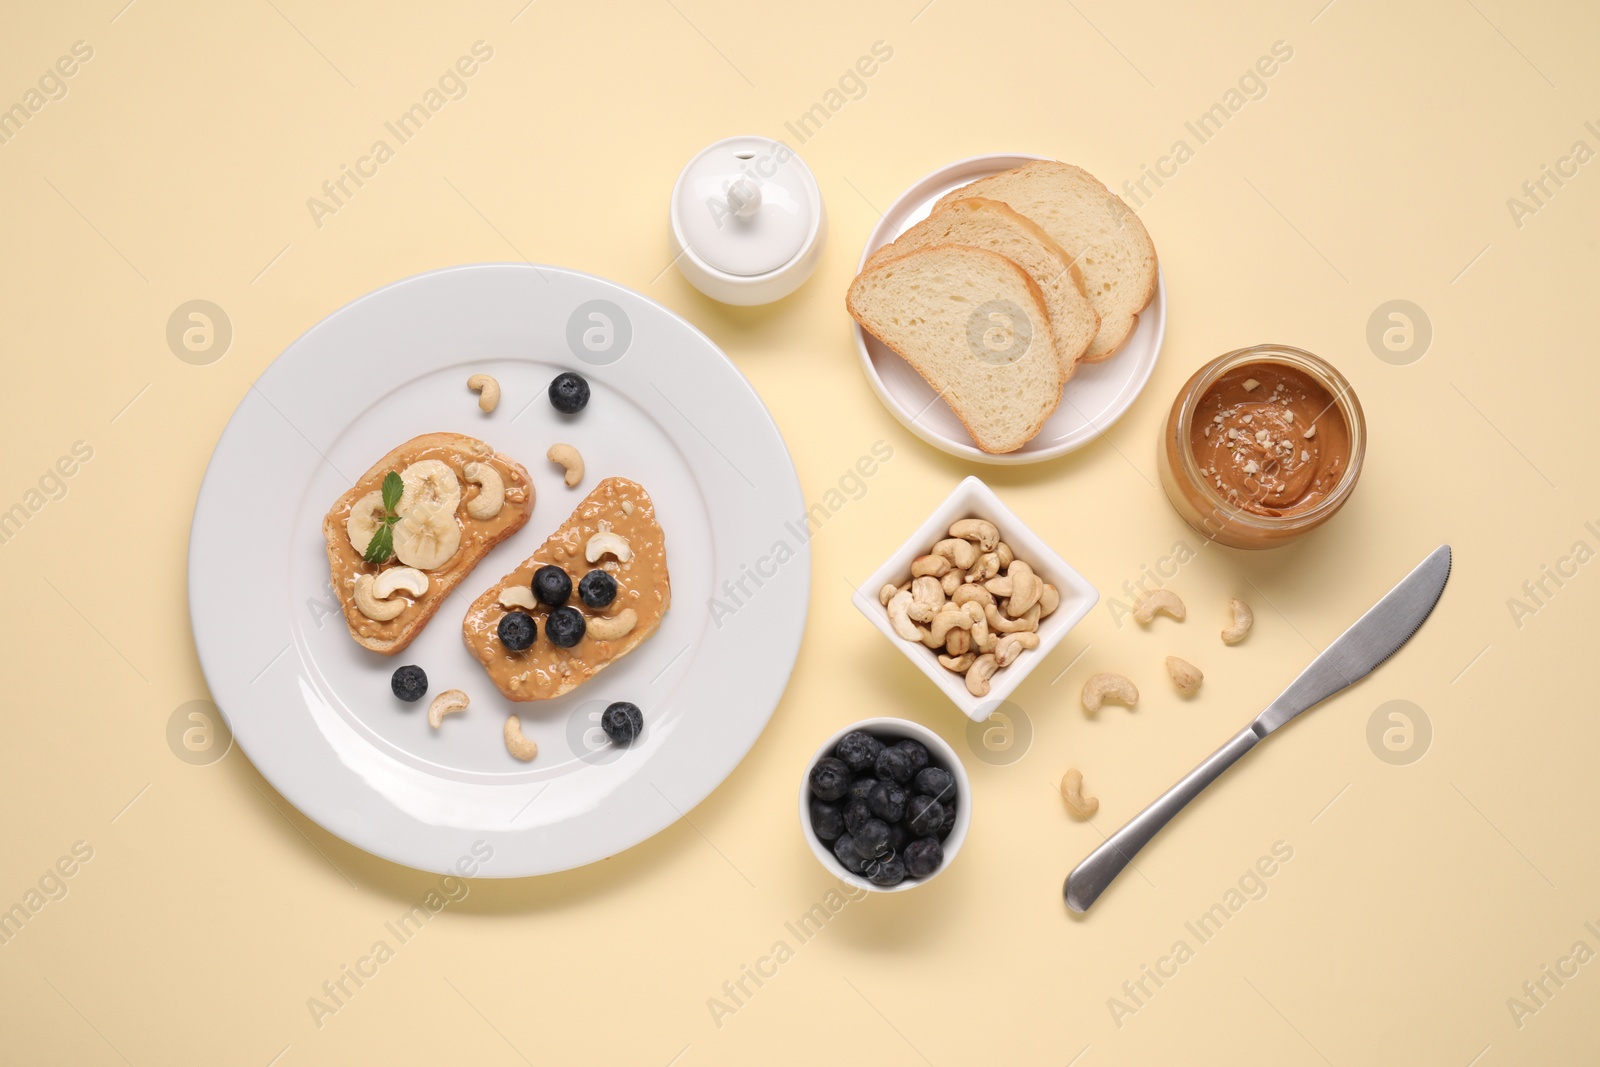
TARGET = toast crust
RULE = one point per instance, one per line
(477, 536)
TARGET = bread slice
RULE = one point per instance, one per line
(544, 670)
(1105, 238)
(973, 324)
(478, 536)
(990, 224)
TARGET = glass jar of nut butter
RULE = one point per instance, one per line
(1261, 445)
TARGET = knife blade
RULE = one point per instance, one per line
(1357, 652)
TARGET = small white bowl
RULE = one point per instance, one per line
(939, 753)
(973, 499)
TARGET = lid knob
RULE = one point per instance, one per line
(744, 197)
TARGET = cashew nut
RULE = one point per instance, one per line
(1243, 619)
(607, 543)
(1164, 601)
(1009, 647)
(1004, 554)
(958, 640)
(370, 605)
(951, 582)
(899, 605)
(1021, 588)
(1049, 599)
(518, 596)
(1107, 686)
(491, 490)
(1072, 793)
(956, 663)
(524, 748)
(936, 566)
(488, 390)
(399, 580)
(613, 627)
(446, 703)
(979, 673)
(961, 553)
(927, 597)
(1185, 675)
(986, 567)
(943, 623)
(567, 457)
(885, 593)
(986, 534)
(1028, 621)
(971, 592)
(982, 639)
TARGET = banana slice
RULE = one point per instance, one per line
(429, 481)
(365, 515)
(491, 492)
(427, 536)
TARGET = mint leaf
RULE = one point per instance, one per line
(393, 489)
(381, 547)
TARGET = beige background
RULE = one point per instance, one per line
(1376, 166)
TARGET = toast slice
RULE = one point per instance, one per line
(989, 224)
(354, 514)
(616, 506)
(974, 325)
(1097, 230)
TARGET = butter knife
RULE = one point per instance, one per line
(1375, 637)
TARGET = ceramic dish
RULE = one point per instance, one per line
(313, 710)
(1096, 396)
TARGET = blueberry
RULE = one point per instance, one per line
(409, 682)
(949, 822)
(923, 856)
(859, 749)
(856, 814)
(518, 631)
(937, 783)
(924, 815)
(826, 821)
(893, 765)
(899, 837)
(890, 870)
(569, 393)
(862, 787)
(844, 850)
(830, 779)
(873, 838)
(888, 801)
(597, 588)
(551, 585)
(916, 753)
(565, 627)
(623, 722)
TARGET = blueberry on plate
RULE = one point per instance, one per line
(914, 751)
(923, 856)
(937, 783)
(409, 682)
(856, 814)
(517, 631)
(859, 749)
(888, 871)
(862, 787)
(623, 722)
(888, 801)
(569, 393)
(873, 838)
(565, 627)
(844, 850)
(826, 820)
(924, 815)
(597, 588)
(551, 585)
(894, 765)
(830, 779)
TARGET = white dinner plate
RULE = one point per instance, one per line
(313, 710)
(1096, 396)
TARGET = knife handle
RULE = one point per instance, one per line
(1090, 878)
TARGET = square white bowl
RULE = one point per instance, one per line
(972, 499)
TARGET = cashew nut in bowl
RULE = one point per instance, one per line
(372, 606)
(1028, 621)
(958, 641)
(986, 534)
(568, 458)
(1049, 599)
(927, 597)
(1108, 686)
(488, 391)
(1185, 675)
(982, 639)
(446, 703)
(1164, 601)
(934, 566)
(524, 748)
(885, 593)
(613, 627)
(1072, 792)
(951, 582)
(987, 566)
(972, 592)
(1243, 619)
(980, 672)
(1026, 588)
(944, 622)
(961, 553)
(1009, 647)
(1004, 555)
(899, 605)
(491, 490)
(959, 664)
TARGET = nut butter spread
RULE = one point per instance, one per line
(1270, 439)
(546, 670)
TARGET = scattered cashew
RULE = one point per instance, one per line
(614, 627)
(446, 703)
(1049, 599)
(1164, 601)
(1072, 792)
(958, 663)
(927, 597)
(606, 543)
(951, 581)
(959, 552)
(958, 640)
(971, 592)
(370, 605)
(1009, 647)
(518, 596)
(1108, 686)
(947, 620)
(899, 605)
(567, 457)
(1243, 619)
(488, 390)
(986, 534)
(1185, 675)
(1028, 621)
(491, 490)
(980, 672)
(524, 748)
(885, 593)
(935, 566)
